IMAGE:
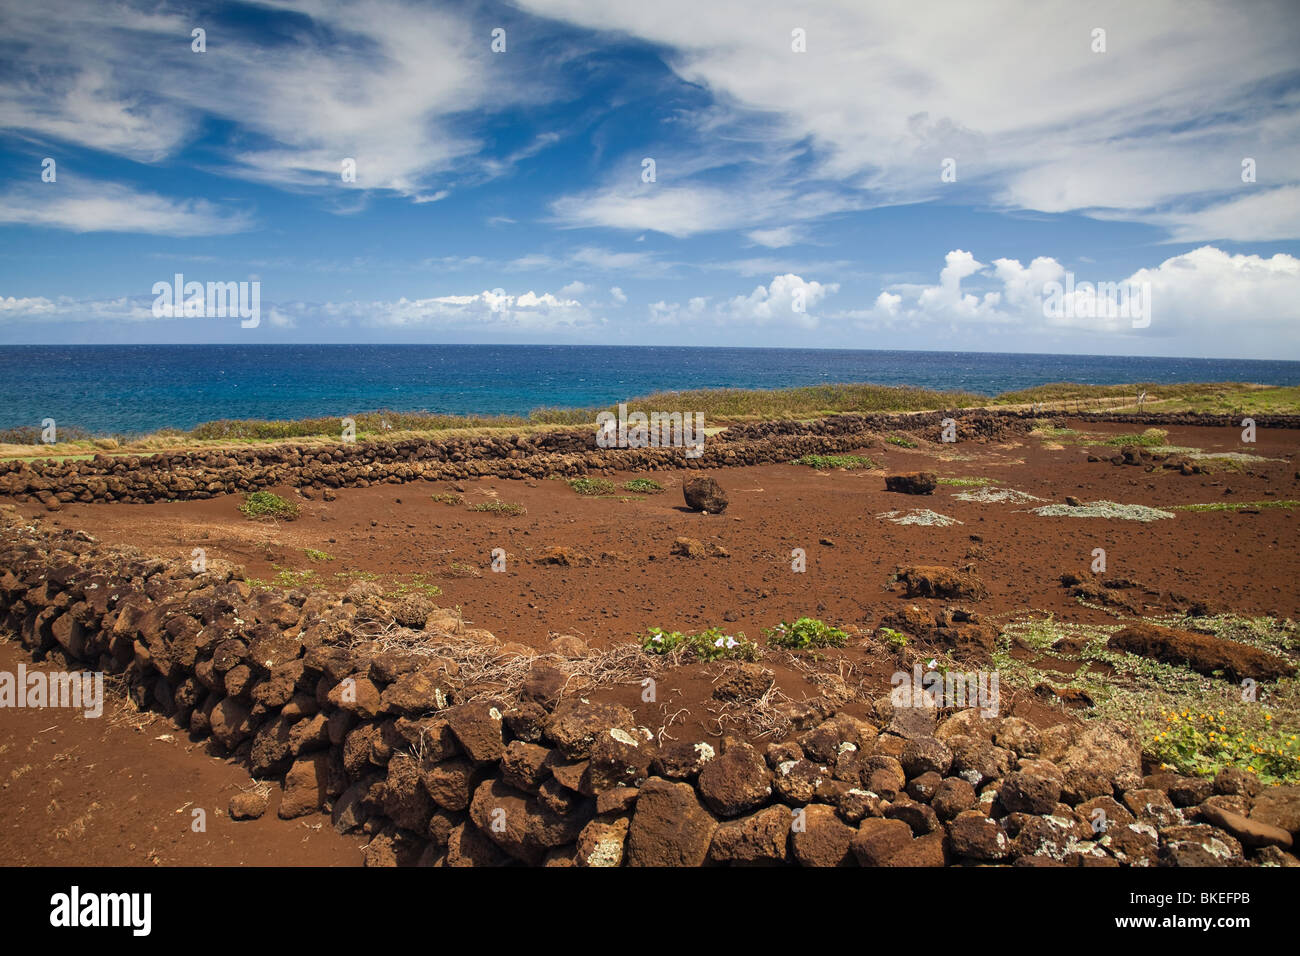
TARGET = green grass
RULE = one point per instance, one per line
(592, 486)
(822, 462)
(1236, 505)
(900, 441)
(643, 485)
(968, 482)
(286, 579)
(266, 504)
(416, 585)
(314, 555)
(1151, 438)
(708, 645)
(498, 507)
(805, 633)
(807, 402)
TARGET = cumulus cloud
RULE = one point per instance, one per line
(1206, 300)
(70, 309)
(787, 300)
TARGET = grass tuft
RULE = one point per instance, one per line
(267, 504)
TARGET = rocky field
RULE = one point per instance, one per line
(498, 650)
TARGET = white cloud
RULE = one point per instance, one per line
(85, 206)
(788, 300)
(775, 238)
(1205, 301)
(490, 310)
(385, 82)
(617, 295)
(68, 309)
(1014, 93)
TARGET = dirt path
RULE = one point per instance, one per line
(121, 790)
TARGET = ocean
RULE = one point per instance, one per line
(131, 389)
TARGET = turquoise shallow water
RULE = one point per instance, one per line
(138, 388)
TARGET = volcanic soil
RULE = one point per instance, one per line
(619, 576)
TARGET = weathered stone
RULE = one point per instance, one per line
(762, 837)
(478, 727)
(736, 782)
(669, 827)
(974, 835)
(820, 838)
(575, 723)
(703, 493)
(305, 786)
(248, 805)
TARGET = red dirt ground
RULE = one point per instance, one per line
(1242, 561)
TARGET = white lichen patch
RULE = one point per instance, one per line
(995, 496)
(623, 737)
(1103, 509)
(705, 751)
(921, 516)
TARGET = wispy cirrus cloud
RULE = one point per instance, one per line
(1155, 125)
(90, 206)
(392, 85)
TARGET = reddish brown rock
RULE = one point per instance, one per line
(669, 827)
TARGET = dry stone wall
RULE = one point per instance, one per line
(392, 740)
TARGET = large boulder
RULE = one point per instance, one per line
(912, 483)
(703, 493)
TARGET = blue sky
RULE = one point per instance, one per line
(797, 199)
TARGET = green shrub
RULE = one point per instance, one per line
(643, 485)
(709, 645)
(805, 633)
(592, 486)
(896, 638)
(822, 462)
(266, 504)
(1206, 743)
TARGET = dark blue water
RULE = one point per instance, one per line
(130, 389)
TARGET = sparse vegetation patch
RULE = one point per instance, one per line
(823, 462)
(268, 505)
